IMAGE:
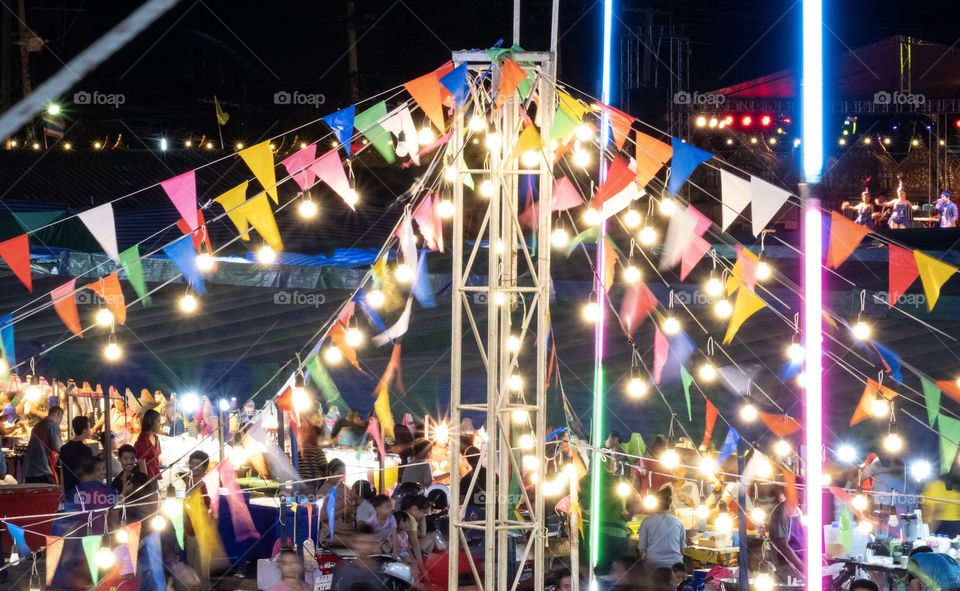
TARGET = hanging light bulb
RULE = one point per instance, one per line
(637, 387)
(353, 337)
(477, 123)
(713, 287)
(669, 459)
(749, 412)
(764, 469)
(189, 303)
(650, 502)
(308, 208)
(450, 173)
(492, 141)
(299, 397)
(104, 317)
(158, 523)
(782, 448)
(723, 524)
(880, 407)
(559, 238)
(486, 188)
(647, 236)
(351, 197)
(445, 208)
(590, 312)
(403, 273)
(529, 463)
(205, 262)
(865, 526)
(591, 216)
(893, 443)
(847, 454)
(701, 512)
(121, 536)
(708, 465)
(375, 298)
(862, 331)
(266, 255)
(513, 343)
(758, 515)
(921, 470)
(581, 158)
(707, 372)
(112, 352)
(795, 352)
(520, 416)
(860, 502)
(764, 271)
(668, 206)
(764, 582)
(530, 159)
(525, 442)
(171, 507)
(670, 326)
(632, 219)
(631, 274)
(426, 136)
(584, 132)
(105, 558)
(723, 309)
(333, 355)
(515, 382)
(624, 489)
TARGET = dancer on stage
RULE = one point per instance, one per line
(864, 209)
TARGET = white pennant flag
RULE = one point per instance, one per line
(408, 241)
(759, 467)
(398, 329)
(400, 123)
(734, 197)
(680, 233)
(766, 201)
(99, 221)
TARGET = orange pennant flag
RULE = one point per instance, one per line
(871, 393)
(747, 304)
(610, 265)
(933, 274)
(427, 91)
(339, 337)
(511, 75)
(781, 425)
(652, 155)
(108, 288)
(621, 124)
(53, 552)
(950, 388)
(66, 306)
(845, 236)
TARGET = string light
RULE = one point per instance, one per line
(670, 326)
(450, 173)
(513, 344)
(708, 465)
(351, 197)
(515, 382)
(632, 219)
(713, 287)
(353, 337)
(581, 158)
(749, 412)
(893, 443)
(862, 331)
(104, 317)
(239, 145)
(266, 255)
(631, 274)
(492, 141)
(668, 206)
(477, 124)
(707, 372)
(559, 238)
(205, 262)
(189, 303)
(445, 208)
(764, 582)
(782, 448)
(308, 208)
(158, 523)
(880, 407)
(723, 309)
(764, 271)
(847, 454)
(584, 132)
(188, 144)
(112, 352)
(97, 145)
(624, 489)
(650, 502)
(299, 397)
(590, 312)
(520, 416)
(723, 524)
(121, 536)
(209, 145)
(591, 216)
(758, 515)
(333, 355)
(860, 502)
(486, 188)
(105, 558)
(403, 273)
(530, 159)
(921, 470)
(35, 145)
(670, 459)
(525, 442)
(637, 387)
(67, 146)
(701, 512)
(795, 352)
(647, 236)
(426, 136)
(865, 526)
(375, 298)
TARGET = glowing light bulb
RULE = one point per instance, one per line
(670, 326)
(351, 197)
(591, 216)
(520, 416)
(701, 512)
(632, 219)
(53, 109)
(354, 337)
(426, 136)
(623, 489)
(669, 459)
(266, 255)
(189, 303)
(713, 287)
(525, 442)
(450, 173)
(764, 469)
(300, 399)
(584, 132)
(921, 470)
(515, 382)
(707, 372)
(795, 352)
(477, 123)
(668, 206)
(121, 536)
(647, 236)
(758, 515)
(650, 502)
(764, 582)
(445, 208)
(847, 454)
(880, 407)
(171, 507)
(782, 448)
(375, 298)
(403, 273)
(708, 465)
(112, 352)
(104, 317)
(559, 238)
(893, 443)
(862, 331)
(581, 158)
(529, 462)
(865, 526)
(158, 523)
(492, 141)
(631, 274)
(749, 412)
(105, 558)
(530, 159)
(513, 344)
(723, 524)
(308, 209)
(764, 271)
(205, 262)
(637, 387)
(486, 188)
(590, 312)
(333, 355)
(860, 502)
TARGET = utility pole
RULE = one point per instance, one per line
(353, 65)
(24, 47)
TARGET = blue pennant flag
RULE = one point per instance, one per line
(681, 347)
(16, 532)
(456, 83)
(422, 290)
(332, 509)
(729, 445)
(686, 159)
(6, 339)
(891, 361)
(791, 369)
(155, 561)
(341, 123)
(825, 235)
(372, 316)
(184, 256)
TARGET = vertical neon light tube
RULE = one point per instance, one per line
(812, 90)
(596, 431)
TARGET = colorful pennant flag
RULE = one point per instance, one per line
(651, 156)
(661, 349)
(694, 252)
(931, 399)
(426, 91)
(7, 342)
(368, 124)
(744, 271)
(891, 361)
(619, 177)
(680, 233)
(563, 125)
(329, 169)
(746, 305)
(902, 272)
(398, 329)
(400, 124)
(573, 107)
(871, 392)
(845, 236)
(298, 165)
(184, 256)
(222, 116)
(686, 379)
(529, 139)
(710, 421)
(949, 429)
(19, 540)
(765, 201)
(933, 274)
(66, 306)
(231, 201)
(456, 83)
(91, 545)
(729, 446)
(381, 405)
(54, 548)
(321, 377)
(338, 335)
(258, 214)
(734, 197)
(243, 527)
(108, 288)
(133, 542)
(132, 267)
(780, 425)
(637, 304)
(341, 123)
(686, 159)
(421, 288)
(620, 123)
(510, 77)
(99, 220)
(16, 253)
(182, 191)
(259, 159)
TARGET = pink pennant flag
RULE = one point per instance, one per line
(243, 528)
(637, 304)
(212, 482)
(182, 191)
(437, 222)
(565, 196)
(329, 169)
(661, 348)
(347, 313)
(695, 251)
(426, 217)
(298, 166)
(373, 428)
(703, 222)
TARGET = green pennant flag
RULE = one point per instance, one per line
(31, 221)
(525, 86)
(367, 123)
(130, 260)
(636, 446)
(321, 377)
(949, 429)
(931, 398)
(466, 177)
(588, 236)
(846, 529)
(687, 379)
(563, 125)
(91, 545)
(176, 520)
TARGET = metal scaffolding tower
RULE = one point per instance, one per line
(506, 310)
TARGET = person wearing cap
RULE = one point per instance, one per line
(947, 210)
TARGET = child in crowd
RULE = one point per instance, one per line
(291, 572)
(384, 524)
(401, 550)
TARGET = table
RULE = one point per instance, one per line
(724, 556)
(892, 572)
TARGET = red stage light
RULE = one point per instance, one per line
(958, 123)
(766, 120)
(787, 120)
(747, 121)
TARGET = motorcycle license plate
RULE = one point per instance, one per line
(323, 583)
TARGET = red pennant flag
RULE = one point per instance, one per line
(108, 288)
(710, 422)
(637, 304)
(695, 251)
(902, 273)
(199, 235)
(781, 425)
(16, 253)
(620, 122)
(845, 236)
(66, 306)
(427, 91)
(950, 388)
(619, 177)
(511, 75)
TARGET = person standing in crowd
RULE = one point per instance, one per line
(122, 422)
(780, 530)
(686, 493)
(90, 492)
(313, 462)
(618, 463)
(291, 572)
(947, 210)
(40, 459)
(133, 486)
(73, 453)
(148, 444)
(662, 537)
(419, 470)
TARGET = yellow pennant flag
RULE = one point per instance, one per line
(205, 530)
(392, 299)
(933, 274)
(222, 116)
(744, 271)
(259, 215)
(381, 406)
(231, 201)
(54, 550)
(260, 160)
(746, 305)
(574, 108)
(529, 140)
